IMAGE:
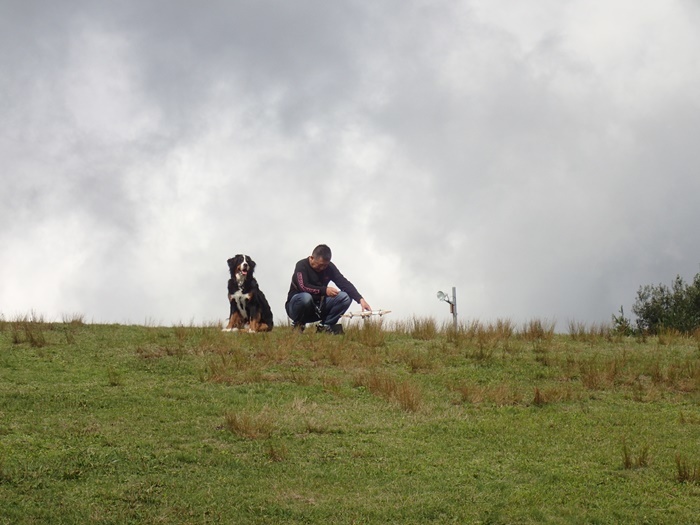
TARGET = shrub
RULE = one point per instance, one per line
(675, 308)
(622, 325)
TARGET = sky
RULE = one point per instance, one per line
(541, 157)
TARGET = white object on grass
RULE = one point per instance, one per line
(365, 314)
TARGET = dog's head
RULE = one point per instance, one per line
(241, 267)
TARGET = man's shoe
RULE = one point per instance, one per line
(298, 327)
(336, 329)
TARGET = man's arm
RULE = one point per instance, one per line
(342, 282)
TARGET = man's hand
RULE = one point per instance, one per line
(365, 306)
(332, 292)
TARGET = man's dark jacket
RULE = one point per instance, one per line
(306, 279)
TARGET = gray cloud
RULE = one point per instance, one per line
(541, 161)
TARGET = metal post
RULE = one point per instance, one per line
(452, 301)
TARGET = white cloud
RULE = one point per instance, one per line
(539, 158)
(102, 89)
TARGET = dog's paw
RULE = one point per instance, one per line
(251, 331)
(225, 329)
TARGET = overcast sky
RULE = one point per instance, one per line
(540, 156)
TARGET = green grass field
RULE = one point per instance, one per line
(413, 423)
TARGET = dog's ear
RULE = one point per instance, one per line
(251, 263)
(234, 261)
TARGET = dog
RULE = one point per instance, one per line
(249, 307)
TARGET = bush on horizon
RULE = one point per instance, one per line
(661, 308)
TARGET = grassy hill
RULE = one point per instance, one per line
(412, 423)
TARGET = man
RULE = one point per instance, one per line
(310, 299)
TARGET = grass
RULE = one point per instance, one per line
(638, 459)
(687, 472)
(405, 423)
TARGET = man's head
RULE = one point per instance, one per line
(320, 258)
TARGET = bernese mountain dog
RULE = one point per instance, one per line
(249, 307)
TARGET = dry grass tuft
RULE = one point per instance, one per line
(378, 383)
(368, 333)
(181, 332)
(539, 399)
(505, 394)
(406, 394)
(592, 373)
(481, 340)
(70, 336)
(415, 359)
(75, 319)
(696, 337)
(233, 367)
(541, 349)
(332, 384)
(688, 419)
(423, 328)
(250, 426)
(470, 394)
(409, 396)
(631, 460)
(277, 452)
(30, 329)
(590, 334)
(537, 329)
(340, 356)
(501, 394)
(685, 471)
(670, 336)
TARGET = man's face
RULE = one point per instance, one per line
(318, 264)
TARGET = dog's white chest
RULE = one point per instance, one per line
(241, 300)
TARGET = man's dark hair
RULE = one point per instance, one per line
(322, 252)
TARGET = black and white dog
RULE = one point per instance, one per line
(249, 307)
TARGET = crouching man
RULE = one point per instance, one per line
(311, 299)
